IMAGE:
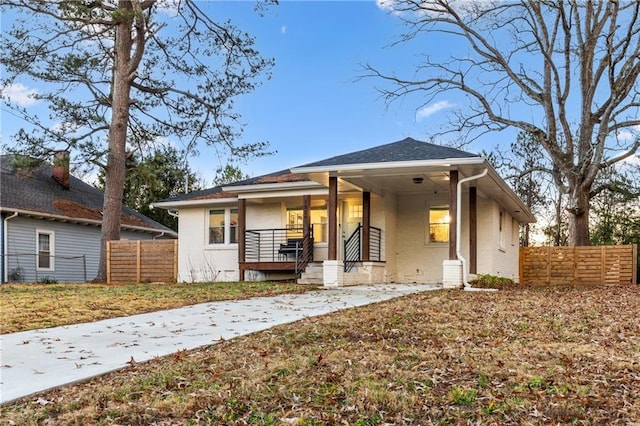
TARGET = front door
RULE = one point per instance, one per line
(351, 218)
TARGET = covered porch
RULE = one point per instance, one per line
(360, 255)
(291, 248)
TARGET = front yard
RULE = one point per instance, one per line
(31, 306)
(557, 355)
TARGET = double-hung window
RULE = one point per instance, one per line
(501, 229)
(439, 220)
(45, 247)
(223, 226)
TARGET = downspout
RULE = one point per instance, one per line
(467, 286)
(5, 248)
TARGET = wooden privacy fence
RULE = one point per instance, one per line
(579, 265)
(142, 261)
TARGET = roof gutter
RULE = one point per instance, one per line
(5, 248)
(193, 203)
(443, 162)
(276, 186)
(465, 281)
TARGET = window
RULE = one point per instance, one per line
(318, 222)
(233, 226)
(216, 227)
(439, 220)
(45, 243)
(223, 226)
(502, 229)
(355, 212)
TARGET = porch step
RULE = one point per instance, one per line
(312, 274)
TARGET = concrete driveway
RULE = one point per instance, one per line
(39, 360)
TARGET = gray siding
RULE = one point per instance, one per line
(76, 248)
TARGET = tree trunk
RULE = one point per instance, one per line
(579, 217)
(116, 171)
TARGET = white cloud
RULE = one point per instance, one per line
(467, 8)
(19, 94)
(168, 7)
(428, 110)
(283, 29)
(626, 135)
(386, 5)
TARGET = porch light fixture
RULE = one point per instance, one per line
(418, 180)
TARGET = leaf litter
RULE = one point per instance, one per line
(529, 355)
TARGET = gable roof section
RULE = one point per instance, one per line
(405, 150)
(225, 193)
(33, 191)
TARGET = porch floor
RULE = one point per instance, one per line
(268, 266)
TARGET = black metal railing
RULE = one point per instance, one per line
(306, 254)
(353, 247)
(279, 245)
(375, 244)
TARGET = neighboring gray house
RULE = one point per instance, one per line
(50, 224)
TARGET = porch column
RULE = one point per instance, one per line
(473, 230)
(333, 219)
(306, 225)
(366, 226)
(453, 213)
(242, 228)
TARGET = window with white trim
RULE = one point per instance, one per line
(45, 243)
(223, 226)
(502, 229)
(439, 221)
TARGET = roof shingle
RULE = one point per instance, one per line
(33, 189)
(407, 149)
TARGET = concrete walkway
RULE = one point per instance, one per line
(39, 360)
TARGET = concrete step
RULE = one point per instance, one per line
(313, 274)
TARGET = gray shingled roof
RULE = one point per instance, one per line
(217, 192)
(407, 149)
(34, 190)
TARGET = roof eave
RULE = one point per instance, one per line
(443, 162)
(83, 221)
(168, 205)
(524, 210)
(279, 186)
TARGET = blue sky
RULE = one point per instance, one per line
(313, 107)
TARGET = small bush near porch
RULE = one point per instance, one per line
(530, 355)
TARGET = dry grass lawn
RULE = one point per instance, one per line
(560, 355)
(31, 306)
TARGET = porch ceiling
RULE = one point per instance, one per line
(384, 181)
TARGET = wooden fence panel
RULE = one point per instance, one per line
(579, 265)
(142, 261)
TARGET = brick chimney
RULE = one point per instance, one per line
(61, 168)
